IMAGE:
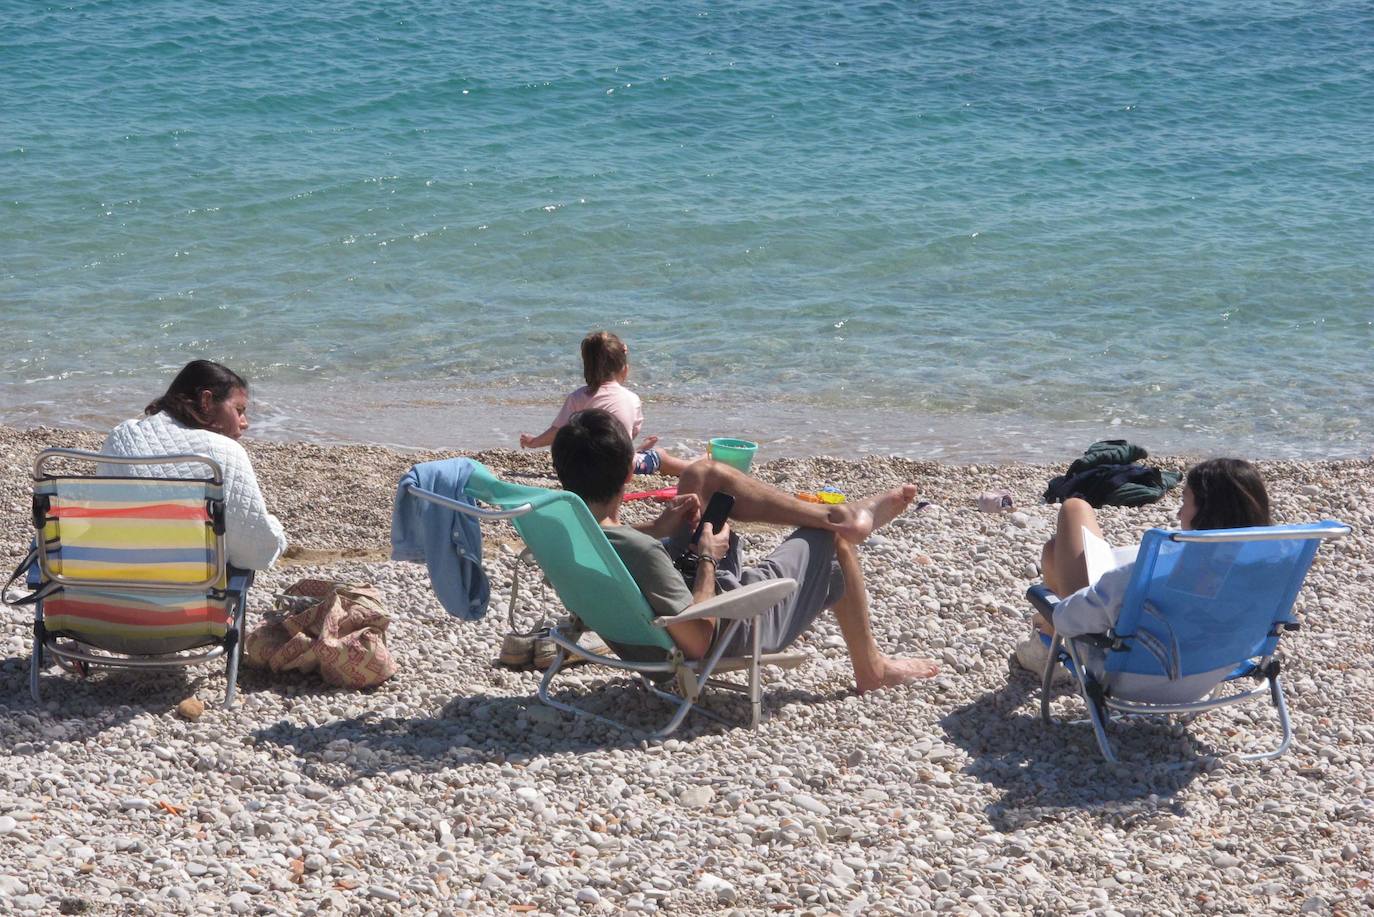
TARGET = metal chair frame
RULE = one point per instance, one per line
(690, 676)
(1102, 706)
(49, 581)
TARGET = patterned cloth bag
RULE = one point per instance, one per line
(337, 629)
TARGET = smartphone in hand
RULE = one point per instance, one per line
(717, 511)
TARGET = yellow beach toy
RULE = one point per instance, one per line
(825, 495)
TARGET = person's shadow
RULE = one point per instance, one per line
(1044, 769)
(484, 728)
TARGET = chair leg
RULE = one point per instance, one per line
(1091, 692)
(755, 681)
(236, 651)
(1047, 679)
(1285, 724)
(233, 675)
(684, 707)
(35, 664)
(545, 698)
(1098, 716)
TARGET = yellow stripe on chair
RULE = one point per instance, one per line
(132, 573)
(134, 533)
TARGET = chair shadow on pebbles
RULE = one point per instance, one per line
(483, 728)
(1044, 770)
(79, 711)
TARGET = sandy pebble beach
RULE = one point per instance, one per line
(451, 789)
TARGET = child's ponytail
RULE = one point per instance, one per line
(604, 356)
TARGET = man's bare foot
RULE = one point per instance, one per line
(854, 522)
(894, 672)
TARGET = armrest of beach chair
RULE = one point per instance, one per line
(239, 581)
(737, 604)
(1043, 599)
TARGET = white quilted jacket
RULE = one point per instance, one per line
(253, 536)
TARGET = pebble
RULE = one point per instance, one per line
(696, 796)
(192, 708)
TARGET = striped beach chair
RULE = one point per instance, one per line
(130, 571)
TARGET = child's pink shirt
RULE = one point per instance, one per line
(611, 397)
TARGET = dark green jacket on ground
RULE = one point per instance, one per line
(1107, 475)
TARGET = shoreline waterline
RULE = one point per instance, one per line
(442, 416)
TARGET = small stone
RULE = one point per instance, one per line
(73, 906)
(715, 885)
(810, 804)
(192, 708)
(7, 825)
(1020, 520)
(588, 895)
(695, 797)
(385, 894)
(856, 757)
(240, 903)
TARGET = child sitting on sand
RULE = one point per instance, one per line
(606, 366)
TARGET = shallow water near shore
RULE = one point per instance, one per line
(961, 230)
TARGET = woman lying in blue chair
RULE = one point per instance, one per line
(1221, 493)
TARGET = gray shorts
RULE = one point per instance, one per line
(807, 556)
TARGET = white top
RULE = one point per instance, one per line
(253, 537)
(1094, 610)
(611, 397)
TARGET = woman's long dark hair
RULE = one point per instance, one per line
(182, 398)
(1229, 494)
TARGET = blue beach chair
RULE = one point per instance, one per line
(571, 550)
(1198, 602)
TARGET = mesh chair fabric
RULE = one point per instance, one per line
(589, 577)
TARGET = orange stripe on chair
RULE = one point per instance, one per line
(205, 613)
(156, 511)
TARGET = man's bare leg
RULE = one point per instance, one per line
(756, 501)
(872, 670)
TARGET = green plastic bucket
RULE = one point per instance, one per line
(737, 453)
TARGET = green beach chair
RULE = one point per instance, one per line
(591, 581)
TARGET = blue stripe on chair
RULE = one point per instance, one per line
(134, 555)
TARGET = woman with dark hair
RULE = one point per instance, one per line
(205, 411)
(1221, 493)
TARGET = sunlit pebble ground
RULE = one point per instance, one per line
(450, 788)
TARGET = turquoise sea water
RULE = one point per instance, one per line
(960, 229)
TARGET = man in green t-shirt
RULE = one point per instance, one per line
(594, 459)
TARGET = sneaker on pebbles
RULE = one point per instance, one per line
(1032, 654)
(546, 650)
